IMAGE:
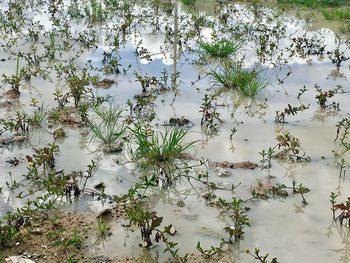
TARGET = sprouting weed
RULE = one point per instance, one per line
(239, 219)
(289, 110)
(260, 258)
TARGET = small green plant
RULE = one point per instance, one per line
(39, 114)
(289, 110)
(237, 78)
(342, 137)
(149, 224)
(260, 258)
(210, 120)
(238, 216)
(108, 129)
(159, 150)
(102, 231)
(288, 147)
(343, 208)
(220, 49)
(78, 83)
(188, 2)
(9, 231)
(15, 80)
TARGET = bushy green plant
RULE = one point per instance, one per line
(160, 151)
(235, 77)
(108, 129)
(237, 214)
(188, 2)
(220, 49)
(154, 148)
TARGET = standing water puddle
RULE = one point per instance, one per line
(146, 55)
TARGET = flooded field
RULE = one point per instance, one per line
(173, 131)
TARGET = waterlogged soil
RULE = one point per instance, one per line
(156, 39)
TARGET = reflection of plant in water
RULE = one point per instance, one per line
(344, 234)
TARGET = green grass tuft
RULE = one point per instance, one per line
(108, 130)
(314, 3)
(235, 77)
(221, 49)
(342, 14)
(188, 2)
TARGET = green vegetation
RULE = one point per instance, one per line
(220, 49)
(234, 77)
(108, 129)
(314, 3)
(340, 14)
(188, 2)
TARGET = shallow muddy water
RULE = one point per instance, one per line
(159, 41)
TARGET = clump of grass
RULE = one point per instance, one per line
(314, 3)
(108, 130)
(236, 77)
(160, 152)
(156, 148)
(188, 2)
(221, 49)
(341, 14)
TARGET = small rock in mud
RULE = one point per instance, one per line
(114, 148)
(105, 83)
(241, 165)
(179, 121)
(172, 231)
(100, 186)
(180, 203)
(223, 172)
